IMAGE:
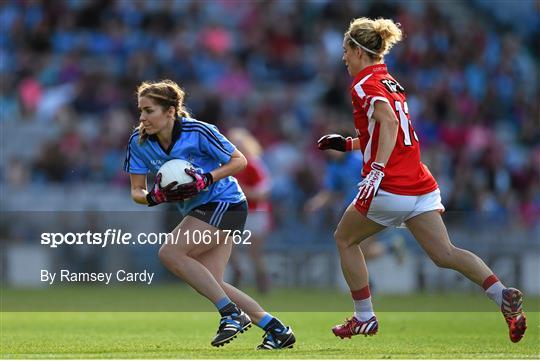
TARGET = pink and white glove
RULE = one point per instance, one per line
(159, 195)
(369, 186)
(200, 182)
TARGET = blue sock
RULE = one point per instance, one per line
(270, 323)
(265, 320)
(223, 302)
(226, 307)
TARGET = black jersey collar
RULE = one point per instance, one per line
(176, 132)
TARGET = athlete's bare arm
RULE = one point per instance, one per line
(138, 188)
(237, 163)
(356, 144)
(388, 132)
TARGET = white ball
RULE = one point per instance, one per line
(173, 171)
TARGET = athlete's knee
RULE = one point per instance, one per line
(167, 255)
(339, 238)
(164, 255)
(342, 240)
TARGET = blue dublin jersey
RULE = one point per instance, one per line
(343, 175)
(197, 142)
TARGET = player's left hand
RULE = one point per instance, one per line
(200, 182)
(335, 142)
(370, 185)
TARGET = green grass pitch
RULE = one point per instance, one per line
(443, 334)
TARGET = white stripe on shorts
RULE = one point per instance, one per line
(216, 213)
(220, 217)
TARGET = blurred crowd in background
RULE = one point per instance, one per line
(470, 70)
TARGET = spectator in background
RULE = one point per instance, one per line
(256, 184)
(284, 81)
(340, 186)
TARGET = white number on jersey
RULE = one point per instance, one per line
(405, 122)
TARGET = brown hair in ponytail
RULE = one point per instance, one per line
(166, 93)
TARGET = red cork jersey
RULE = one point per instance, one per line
(255, 176)
(404, 172)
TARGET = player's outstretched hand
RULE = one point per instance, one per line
(370, 185)
(158, 194)
(200, 182)
(336, 142)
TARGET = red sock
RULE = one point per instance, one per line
(494, 289)
(363, 309)
(490, 281)
(361, 294)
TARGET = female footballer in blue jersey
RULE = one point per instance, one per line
(213, 204)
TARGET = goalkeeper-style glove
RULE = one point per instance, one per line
(160, 195)
(369, 186)
(200, 182)
(336, 142)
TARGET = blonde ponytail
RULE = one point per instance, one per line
(376, 37)
(389, 32)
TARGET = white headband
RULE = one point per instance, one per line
(362, 46)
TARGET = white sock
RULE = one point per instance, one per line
(363, 309)
(495, 292)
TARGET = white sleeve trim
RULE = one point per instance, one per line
(372, 105)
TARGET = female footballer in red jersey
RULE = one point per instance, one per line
(255, 183)
(397, 188)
